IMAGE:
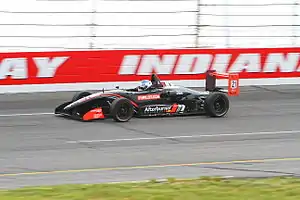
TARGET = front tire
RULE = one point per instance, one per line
(121, 110)
(216, 104)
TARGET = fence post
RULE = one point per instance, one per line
(197, 23)
(294, 23)
(226, 25)
(92, 24)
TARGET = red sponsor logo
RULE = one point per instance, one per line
(94, 114)
(148, 97)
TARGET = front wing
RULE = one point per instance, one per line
(89, 115)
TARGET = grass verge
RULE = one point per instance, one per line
(278, 188)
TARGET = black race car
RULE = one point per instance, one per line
(160, 99)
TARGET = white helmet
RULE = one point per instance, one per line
(145, 84)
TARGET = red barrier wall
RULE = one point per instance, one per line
(134, 65)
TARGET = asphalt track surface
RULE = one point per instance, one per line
(259, 137)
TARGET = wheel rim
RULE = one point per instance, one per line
(123, 111)
(220, 105)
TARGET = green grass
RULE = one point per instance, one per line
(196, 189)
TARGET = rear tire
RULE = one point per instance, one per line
(216, 104)
(121, 110)
(80, 95)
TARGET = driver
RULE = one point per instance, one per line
(144, 85)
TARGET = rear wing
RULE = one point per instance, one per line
(233, 82)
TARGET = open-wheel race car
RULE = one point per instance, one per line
(152, 98)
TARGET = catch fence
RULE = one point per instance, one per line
(55, 25)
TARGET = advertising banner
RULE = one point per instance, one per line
(110, 66)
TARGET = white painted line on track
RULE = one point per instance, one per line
(24, 114)
(185, 136)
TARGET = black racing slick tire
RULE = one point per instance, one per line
(216, 104)
(80, 95)
(121, 110)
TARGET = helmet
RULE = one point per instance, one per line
(145, 84)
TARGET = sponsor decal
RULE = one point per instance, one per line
(94, 114)
(148, 97)
(157, 109)
(175, 108)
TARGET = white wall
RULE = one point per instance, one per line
(210, 36)
(259, 14)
